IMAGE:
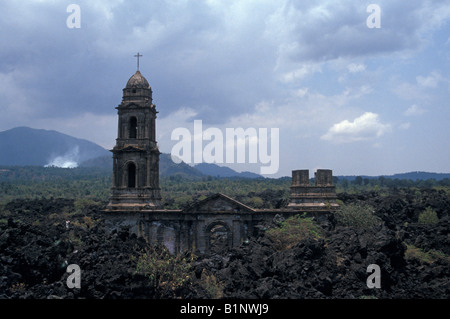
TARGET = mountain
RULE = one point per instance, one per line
(222, 171)
(411, 176)
(27, 146)
(169, 168)
(166, 166)
(24, 146)
(419, 176)
(105, 161)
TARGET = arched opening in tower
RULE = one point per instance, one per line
(133, 127)
(131, 175)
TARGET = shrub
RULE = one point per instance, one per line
(428, 216)
(212, 286)
(165, 271)
(19, 287)
(256, 202)
(359, 216)
(293, 230)
(85, 205)
(429, 257)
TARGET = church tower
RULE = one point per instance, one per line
(136, 154)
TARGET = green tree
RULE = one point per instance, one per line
(359, 216)
(428, 216)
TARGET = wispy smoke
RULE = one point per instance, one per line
(68, 160)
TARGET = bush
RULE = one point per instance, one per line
(429, 257)
(212, 286)
(165, 271)
(358, 216)
(85, 205)
(293, 230)
(428, 216)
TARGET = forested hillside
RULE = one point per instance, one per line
(179, 188)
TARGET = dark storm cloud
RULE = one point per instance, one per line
(220, 59)
(330, 30)
(297, 65)
(191, 57)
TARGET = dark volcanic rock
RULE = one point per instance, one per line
(36, 247)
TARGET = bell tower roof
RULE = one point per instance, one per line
(137, 81)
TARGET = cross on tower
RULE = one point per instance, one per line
(137, 56)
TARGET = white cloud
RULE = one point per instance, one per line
(365, 127)
(355, 67)
(430, 81)
(304, 110)
(405, 126)
(300, 73)
(414, 110)
(183, 117)
(408, 91)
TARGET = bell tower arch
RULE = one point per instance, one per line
(136, 154)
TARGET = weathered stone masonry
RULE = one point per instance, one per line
(219, 220)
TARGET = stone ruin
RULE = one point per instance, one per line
(135, 199)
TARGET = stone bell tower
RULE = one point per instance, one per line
(136, 154)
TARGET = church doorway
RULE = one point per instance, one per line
(218, 237)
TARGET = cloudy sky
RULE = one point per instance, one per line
(358, 100)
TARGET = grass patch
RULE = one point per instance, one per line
(429, 257)
(293, 230)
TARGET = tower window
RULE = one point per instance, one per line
(133, 127)
(131, 175)
(133, 90)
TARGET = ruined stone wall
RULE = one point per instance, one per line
(312, 197)
(182, 231)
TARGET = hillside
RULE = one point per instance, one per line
(222, 171)
(169, 168)
(24, 146)
(413, 176)
(166, 166)
(27, 146)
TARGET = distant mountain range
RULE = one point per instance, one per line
(24, 146)
(222, 171)
(411, 175)
(27, 146)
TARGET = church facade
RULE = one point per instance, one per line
(135, 198)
